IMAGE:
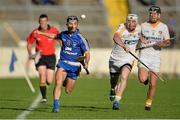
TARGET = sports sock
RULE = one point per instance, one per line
(148, 102)
(117, 98)
(43, 90)
(56, 103)
(114, 79)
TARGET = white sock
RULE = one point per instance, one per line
(117, 98)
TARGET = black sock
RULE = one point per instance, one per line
(43, 91)
(114, 79)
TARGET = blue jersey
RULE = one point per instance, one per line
(73, 46)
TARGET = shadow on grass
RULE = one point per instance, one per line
(12, 108)
(74, 108)
(22, 109)
(44, 107)
(86, 108)
(11, 100)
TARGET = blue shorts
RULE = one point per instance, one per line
(72, 71)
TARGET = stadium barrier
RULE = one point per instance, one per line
(98, 64)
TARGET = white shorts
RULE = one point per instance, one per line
(115, 66)
(152, 63)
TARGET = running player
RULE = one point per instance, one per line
(153, 31)
(74, 45)
(120, 63)
(46, 47)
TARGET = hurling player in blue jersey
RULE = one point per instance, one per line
(73, 46)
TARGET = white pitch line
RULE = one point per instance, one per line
(31, 108)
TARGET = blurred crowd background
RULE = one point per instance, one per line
(103, 17)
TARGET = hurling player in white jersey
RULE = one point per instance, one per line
(156, 35)
(120, 63)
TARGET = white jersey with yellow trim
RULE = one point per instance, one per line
(153, 33)
(130, 39)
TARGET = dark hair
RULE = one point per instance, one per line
(43, 16)
(72, 18)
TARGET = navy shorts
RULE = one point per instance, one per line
(72, 70)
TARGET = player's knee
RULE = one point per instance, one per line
(142, 78)
(58, 81)
(58, 84)
(123, 78)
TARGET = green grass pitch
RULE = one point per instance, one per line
(90, 100)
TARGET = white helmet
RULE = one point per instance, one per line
(132, 17)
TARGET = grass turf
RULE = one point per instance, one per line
(90, 100)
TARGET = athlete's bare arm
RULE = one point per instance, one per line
(117, 39)
(87, 59)
(29, 49)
